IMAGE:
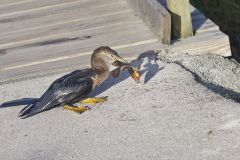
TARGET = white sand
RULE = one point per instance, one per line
(171, 116)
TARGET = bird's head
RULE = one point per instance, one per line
(135, 73)
(105, 50)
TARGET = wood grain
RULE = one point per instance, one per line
(44, 33)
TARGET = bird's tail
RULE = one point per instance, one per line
(27, 111)
(18, 102)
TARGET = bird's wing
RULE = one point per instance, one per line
(75, 74)
(64, 90)
(64, 80)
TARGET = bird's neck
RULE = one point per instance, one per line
(100, 65)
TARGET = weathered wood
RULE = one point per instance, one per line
(61, 46)
(38, 37)
(30, 5)
(62, 15)
(181, 18)
(71, 64)
(68, 30)
(155, 16)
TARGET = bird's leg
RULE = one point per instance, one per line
(79, 109)
(94, 100)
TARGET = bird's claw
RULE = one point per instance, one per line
(94, 100)
(79, 109)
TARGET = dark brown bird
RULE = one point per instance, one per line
(76, 86)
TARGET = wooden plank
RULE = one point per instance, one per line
(56, 8)
(77, 35)
(181, 19)
(13, 2)
(155, 16)
(44, 33)
(29, 5)
(41, 51)
(26, 55)
(208, 42)
(69, 14)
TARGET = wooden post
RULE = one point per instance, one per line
(181, 18)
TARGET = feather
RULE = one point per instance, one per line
(67, 89)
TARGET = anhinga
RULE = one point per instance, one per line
(76, 86)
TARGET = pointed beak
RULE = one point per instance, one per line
(137, 79)
(118, 58)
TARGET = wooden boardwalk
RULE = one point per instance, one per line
(207, 37)
(45, 37)
(42, 37)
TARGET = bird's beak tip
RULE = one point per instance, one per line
(137, 80)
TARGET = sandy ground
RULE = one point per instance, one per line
(170, 115)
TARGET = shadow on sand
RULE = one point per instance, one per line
(150, 69)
